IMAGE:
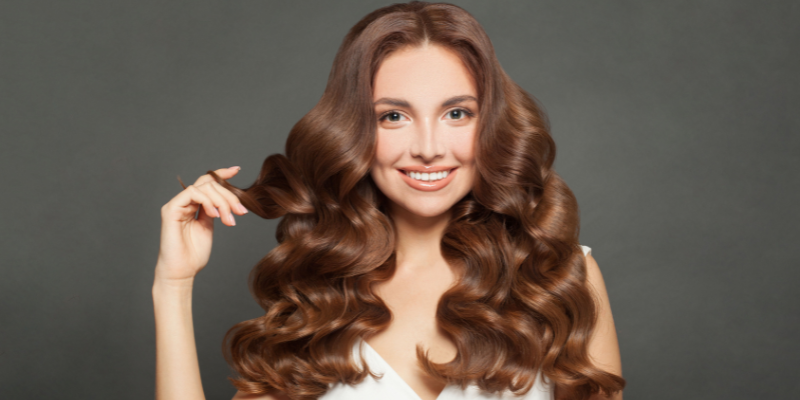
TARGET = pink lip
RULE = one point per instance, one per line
(427, 186)
(425, 168)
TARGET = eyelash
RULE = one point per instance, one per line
(464, 110)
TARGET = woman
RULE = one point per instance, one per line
(427, 250)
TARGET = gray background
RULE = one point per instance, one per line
(676, 127)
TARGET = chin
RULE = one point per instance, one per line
(429, 214)
(433, 210)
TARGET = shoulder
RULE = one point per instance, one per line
(603, 345)
(595, 282)
(593, 275)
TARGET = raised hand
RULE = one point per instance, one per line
(186, 240)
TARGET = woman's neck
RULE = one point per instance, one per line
(418, 239)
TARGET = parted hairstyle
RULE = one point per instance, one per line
(521, 303)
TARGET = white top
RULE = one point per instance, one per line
(392, 387)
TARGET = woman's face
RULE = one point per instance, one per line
(427, 108)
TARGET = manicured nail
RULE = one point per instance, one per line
(233, 221)
(236, 168)
(243, 209)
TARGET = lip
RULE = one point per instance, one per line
(427, 186)
(417, 168)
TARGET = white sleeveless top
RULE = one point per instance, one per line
(392, 387)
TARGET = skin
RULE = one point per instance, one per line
(603, 345)
(419, 132)
(185, 250)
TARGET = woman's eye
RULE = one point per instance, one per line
(459, 113)
(392, 116)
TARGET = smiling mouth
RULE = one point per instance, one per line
(427, 176)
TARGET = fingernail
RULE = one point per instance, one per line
(243, 209)
(236, 168)
(233, 221)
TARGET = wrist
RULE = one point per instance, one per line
(163, 285)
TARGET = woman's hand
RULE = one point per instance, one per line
(186, 241)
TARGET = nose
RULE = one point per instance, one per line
(427, 144)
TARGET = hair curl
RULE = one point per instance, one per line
(520, 305)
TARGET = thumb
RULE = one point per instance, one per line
(227, 173)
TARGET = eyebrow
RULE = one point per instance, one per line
(402, 103)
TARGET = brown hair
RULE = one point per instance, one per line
(521, 303)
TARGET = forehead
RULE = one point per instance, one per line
(426, 72)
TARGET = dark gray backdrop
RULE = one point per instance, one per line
(676, 125)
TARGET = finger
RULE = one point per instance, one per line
(235, 205)
(206, 220)
(188, 200)
(219, 202)
(224, 173)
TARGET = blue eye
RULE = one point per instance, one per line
(460, 113)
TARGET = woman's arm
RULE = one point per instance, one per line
(603, 345)
(177, 368)
(187, 225)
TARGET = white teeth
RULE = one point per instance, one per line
(428, 176)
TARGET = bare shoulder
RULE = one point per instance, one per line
(594, 277)
(603, 345)
(244, 396)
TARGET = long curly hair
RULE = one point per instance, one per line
(521, 303)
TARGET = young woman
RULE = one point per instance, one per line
(427, 249)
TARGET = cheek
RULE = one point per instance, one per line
(386, 150)
(463, 148)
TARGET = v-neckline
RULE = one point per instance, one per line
(391, 371)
